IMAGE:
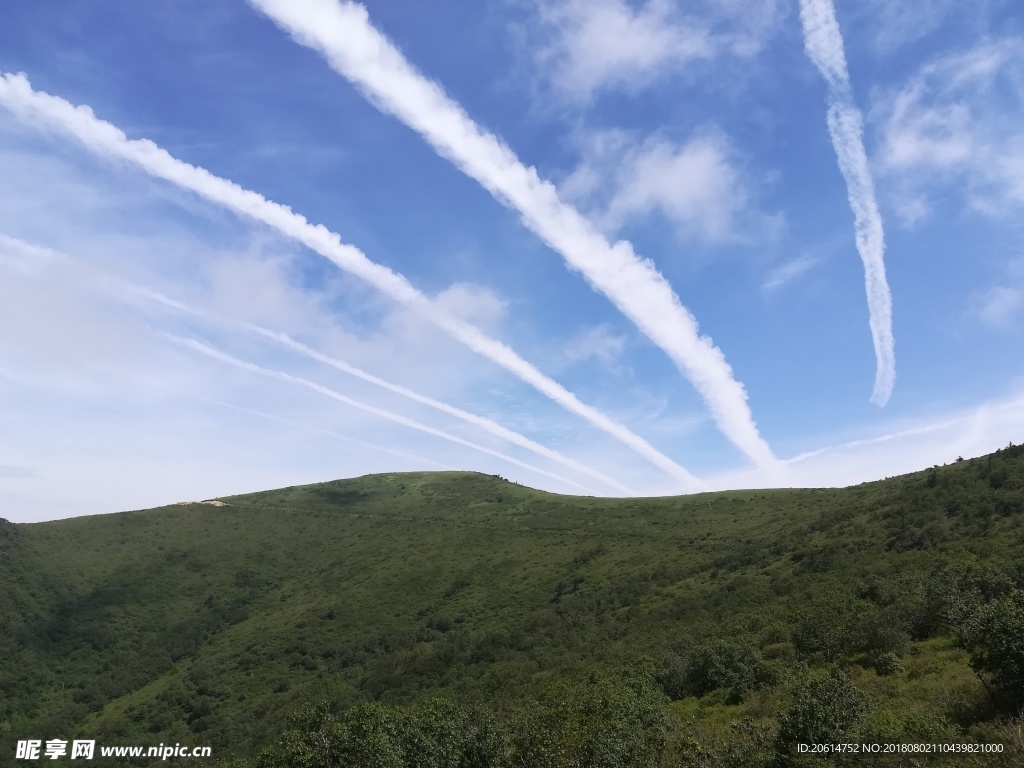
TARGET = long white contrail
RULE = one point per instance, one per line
(122, 287)
(216, 354)
(488, 425)
(16, 94)
(824, 45)
(343, 33)
(330, 433)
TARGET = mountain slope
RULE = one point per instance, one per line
(209, 624)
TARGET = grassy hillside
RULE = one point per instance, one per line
(208, 624)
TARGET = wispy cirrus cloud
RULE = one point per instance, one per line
(956, 123)
(52, 112)
(598, 343)
(789, 271)
(608, 43)
(899, 24)
(343, 33)
(697, 184)
(1001, 305)
(589, 46)
(824, 45)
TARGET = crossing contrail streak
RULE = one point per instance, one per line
(37, 254)
(489, 425)
(216, 354)
(330, 433)
(342, 32)
(824, 45)
(17, 94)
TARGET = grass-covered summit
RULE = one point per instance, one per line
(724, 612)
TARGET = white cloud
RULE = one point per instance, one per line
(699, 185)
(606, 43)
(261, 287)
(342, 32)
(789, 271)
(938, 137)
(476, 304)
(911, 210)
(593, 45)
(957, 122)
(1000, 306)
(696, 185)
(598, 343)
(901, 22)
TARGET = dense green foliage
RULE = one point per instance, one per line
(603, 723)
(456, 619)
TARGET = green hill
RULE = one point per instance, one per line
(206, 624)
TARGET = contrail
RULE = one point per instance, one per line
(872, 441)
(824, 45)
(216, 354)
(100, 136)
(329, 432)
(488, 425)
(482, 422)
(39, 254)
(44, 254)
(343, 33)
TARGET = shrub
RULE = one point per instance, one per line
(995, 636)
(888, 664)
(601, 723)
(882, 633)
(735, 667)
(824, 711)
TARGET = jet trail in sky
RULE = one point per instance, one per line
(17, 94)
(122, 287)
(343, 33)
(824, 45)
(488, 425)
(216, 354)
(329, 433)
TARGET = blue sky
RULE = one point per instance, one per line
(162, 339)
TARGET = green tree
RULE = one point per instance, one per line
(824, 710)
(313, 740)
(602, 723)
(995, 636)
(441, 734)
(735, 667)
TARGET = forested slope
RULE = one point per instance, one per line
(701, 624)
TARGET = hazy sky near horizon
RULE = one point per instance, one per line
(594, 246)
